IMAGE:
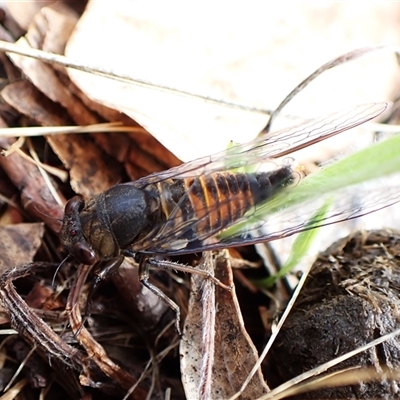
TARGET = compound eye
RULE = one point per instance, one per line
(83, 254)
(74, 205)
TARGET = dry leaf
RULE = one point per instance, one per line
(252, 54)
(49, 32)
(36, 197)
(19, 244)
(234, 57)
(24, 13)
(234, 354)
(89, 169)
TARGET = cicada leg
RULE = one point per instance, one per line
(185, 268)
(144, 263)
(102, 271)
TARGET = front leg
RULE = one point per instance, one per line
(102, 271)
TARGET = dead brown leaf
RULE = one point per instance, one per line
(36, 197)
(90, 172)
(19, 244)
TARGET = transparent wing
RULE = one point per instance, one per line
(347, 204)
(273, 145)
(257, 225)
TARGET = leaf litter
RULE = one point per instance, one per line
(129, 344)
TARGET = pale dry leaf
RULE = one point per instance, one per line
(250, 54)
(24, 11)
(52, 27)
(197, 362)
(197, 352)
(234, 353)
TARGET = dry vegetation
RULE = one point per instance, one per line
(129, 345)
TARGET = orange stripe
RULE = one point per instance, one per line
(213, 202)
(224, 204)
(196, 197)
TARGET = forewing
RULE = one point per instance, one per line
(348, 204)
(167, 238)
(257, 227)
(273, 145)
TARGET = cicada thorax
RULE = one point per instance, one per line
(107, 223)
(209, 203)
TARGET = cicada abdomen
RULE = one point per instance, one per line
(202, 206)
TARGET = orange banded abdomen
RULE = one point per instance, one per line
(219, 199)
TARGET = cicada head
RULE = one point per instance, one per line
(72, 237)
(102, 227)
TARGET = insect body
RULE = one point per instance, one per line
(185, 209)
(135, 217)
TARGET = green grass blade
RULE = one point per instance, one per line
(300, 247)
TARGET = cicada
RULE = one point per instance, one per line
(187, 209)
